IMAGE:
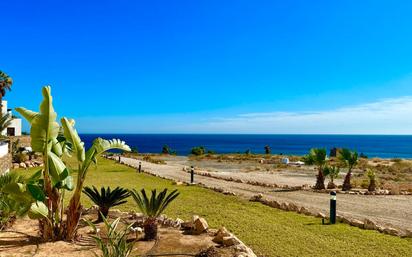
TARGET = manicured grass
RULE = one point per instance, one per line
(270, 232)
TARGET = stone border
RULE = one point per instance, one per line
(365, 224)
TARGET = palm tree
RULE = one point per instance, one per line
(106, 198)
(349, 159)
(317, 156)
(152, 207)
(5, 84)
(5, 121)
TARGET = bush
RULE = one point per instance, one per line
(167, 150)
(198, 150)
(106, 198)
(115, 243)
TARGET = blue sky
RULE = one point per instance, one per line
(214, 66)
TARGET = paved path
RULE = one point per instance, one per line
(393, 210)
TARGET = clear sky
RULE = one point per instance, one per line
(214, 66)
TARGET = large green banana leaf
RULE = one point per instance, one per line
(44, 127)
(71, 135)
(38, 210)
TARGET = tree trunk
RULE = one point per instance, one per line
(73, 216)
(320, 180)
(150, 229)
(331, 185)
(346, 183)
(103, 212)
(372, 185)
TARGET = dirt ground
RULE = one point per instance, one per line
(394, 210)
(22, 241)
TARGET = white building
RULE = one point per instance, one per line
(15, 127)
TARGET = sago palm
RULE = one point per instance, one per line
(106, 198)
(152, 207)
(317, 157)
(349, 159)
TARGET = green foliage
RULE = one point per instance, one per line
(53, 142)
(240, 215)
(331, 171)
(106, 198)
(198, 150)
(248, 152)
(5, 84)
(9, 207)
(154, 206)
(348, 158)
(115, 243)
(316, 156)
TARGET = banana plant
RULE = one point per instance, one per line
(56, 177)
(84, 160)
(53, 141)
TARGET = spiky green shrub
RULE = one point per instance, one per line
(115, 243)
(106, 198)
(372, 180)
(152, 207)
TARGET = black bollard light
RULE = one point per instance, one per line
(332, 213)
(140, 167)
(120, 158)
(192, 175)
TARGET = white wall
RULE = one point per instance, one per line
(15, 123)
(4, 107)
(4, 149)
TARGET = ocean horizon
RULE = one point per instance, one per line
(382, 146)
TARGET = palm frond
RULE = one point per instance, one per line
(154, 206)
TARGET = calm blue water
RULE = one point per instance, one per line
(372, 146)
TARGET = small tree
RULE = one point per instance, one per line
(317, 157)
(349, 159)
(152, 207)
(166, 149)
(198, 150)
(332, 173)
(372, 180)
(267, 149)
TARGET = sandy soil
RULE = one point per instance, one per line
(22, 241)
(389, 210)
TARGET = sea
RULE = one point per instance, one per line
(383, 146)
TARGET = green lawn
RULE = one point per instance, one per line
(270, 232)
